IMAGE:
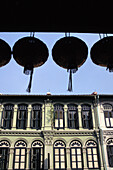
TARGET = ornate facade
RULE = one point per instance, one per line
(51, 132)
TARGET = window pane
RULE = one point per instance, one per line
(73, 158)
(62, 151)
(96, 165)
(106, 114)
(17, 151)
(94, 151)
(22, 151)
(90, 165)
(61, 122)
(74, 165)
(62, 158)
(111, 121)
(57, 158)
(56, 151)
(61, 115)
(62, 165)
(22, 159)
(57, 165)
(16, 165)
(107, 122)
(79, 164)
(56, 122)
(22, 165)
(89, 150)
(16, 158)
(89, 157)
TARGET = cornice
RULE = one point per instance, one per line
(48, 133)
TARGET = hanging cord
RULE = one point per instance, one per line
(32, 34)
(70, 78)
(30, 82)
(104, 35)
(67, 34)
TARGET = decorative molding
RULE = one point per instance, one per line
(108, 132)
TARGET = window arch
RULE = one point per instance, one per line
(59, 155)
(58, 116)
(76, 155)
(4, 154)
(87, 116)
(37, 155)
(110, 151)
(108, 114)
(36, 116)
(73, 116)
(20, 155)
(22, 116)
(7, 116)
(92, 155)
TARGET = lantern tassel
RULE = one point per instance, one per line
(30, 83)
(70, 78)
(70, 81)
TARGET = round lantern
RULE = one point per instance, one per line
(102, 53)
(30, 52)
(70, 53)
(5, 53)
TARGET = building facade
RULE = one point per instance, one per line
(105, 115)
(51, 132)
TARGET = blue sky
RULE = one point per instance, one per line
(51, 77)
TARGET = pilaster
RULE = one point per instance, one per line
(29, 117)
(11, 154)
(80, 117)
(68, 158)
(65, 117)
(1, 112)
(85, 159)
(93, 118)
(15, 117)
(48, 116)
(28, 159)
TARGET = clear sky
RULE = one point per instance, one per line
(51, 77)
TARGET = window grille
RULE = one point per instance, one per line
(58, 116)
(22, 117)
(59, 155)
(110, 152)
(73, 122)
(92, 155)
(20, 156)
(76, 155)
(36, 116)
(87, 117)
(4, 155)
(37, 156)
(7, 116)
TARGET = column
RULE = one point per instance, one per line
(100, 153)
(68, 158)
(11, 154)
(48, 151)
(84, 159)
(1, 111)
(15, 117)
(28, 159)
(93, 117)
(43, 114)
(48, 115)
(29, 118)
(65, 117)
(80, 117)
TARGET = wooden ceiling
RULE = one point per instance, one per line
(83, 16)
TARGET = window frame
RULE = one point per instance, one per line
(72, 108)
(87, 108)
(92, 155)
(22, 121)
(58, 108)
(107, 108)
(20, 148)
(38, 119)
(76, 147)
(63, 146)
(108, 146)
(37, 145)
(7, 120)
(5, 146)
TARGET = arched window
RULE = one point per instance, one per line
(58, 116)
(110, 152)
(22, 116)
(7, 116)
(4, 155)
(36, 116)
(73, 122)
(76, 155)
(59, 155)
(37, 155)
(92, 155)
(19, 156)
(108, 114)
(87, 117)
